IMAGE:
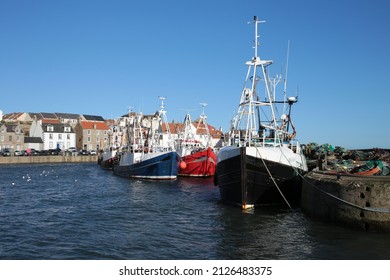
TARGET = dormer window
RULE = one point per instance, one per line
(50, 128)
(67, 129)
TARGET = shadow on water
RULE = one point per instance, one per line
(266, 233)
(274, 233)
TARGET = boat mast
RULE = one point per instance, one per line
(251, 123)
(285, 79)
(248, 111)
(163, 114)
(202, 120)
(164, 121)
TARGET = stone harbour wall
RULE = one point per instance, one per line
(348, 200)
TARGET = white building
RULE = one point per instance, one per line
(54, 135)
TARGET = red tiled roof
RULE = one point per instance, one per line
(95, 125)
(52, 121)
(172, 128)
(176, 128)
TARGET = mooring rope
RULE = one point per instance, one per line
(370, 209)
(272, 178)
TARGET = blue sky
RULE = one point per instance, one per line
(102, 57)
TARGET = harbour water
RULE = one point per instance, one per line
(79, 211)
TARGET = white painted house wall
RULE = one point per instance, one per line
(63, 140)
(36, 129)
(54, 136)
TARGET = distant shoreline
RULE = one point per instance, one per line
(48, 159)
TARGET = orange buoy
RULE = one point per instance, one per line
(183, 165)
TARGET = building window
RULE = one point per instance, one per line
(17, 138)
(51, 136)
(89, 139)
(59, 136)
(97, 132)
(2, 138)
(67, 136)
(50, 145)
(67, 129)
(89, 132)
(10, 138)
(50, 128)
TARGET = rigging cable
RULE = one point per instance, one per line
(333, 196)
(347, 202)
(272, 178)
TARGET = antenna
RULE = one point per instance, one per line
(203, 105)
(285, 80)
(164, 120)
(257, 43)
(162, 98)
(202, 121)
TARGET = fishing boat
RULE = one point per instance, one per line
(198, 158)
(106, 158)
(262, 163)
(150, 153)
(371, 167)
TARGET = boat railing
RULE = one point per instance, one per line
(295, 146)
(256, 142)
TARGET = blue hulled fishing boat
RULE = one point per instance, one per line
(150, 153)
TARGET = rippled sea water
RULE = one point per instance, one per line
(80, 211)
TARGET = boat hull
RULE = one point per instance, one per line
(106, 164)
(353, 201)
(161, 166)
(245, 180)
(199, 164)
(106, 159)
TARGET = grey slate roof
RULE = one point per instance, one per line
(93, 118)
(49, 116)
(57, 116)
(68, 116)
(33, 140)
(57, 128)
(33, 115)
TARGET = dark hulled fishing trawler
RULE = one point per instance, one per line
(262, 163)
